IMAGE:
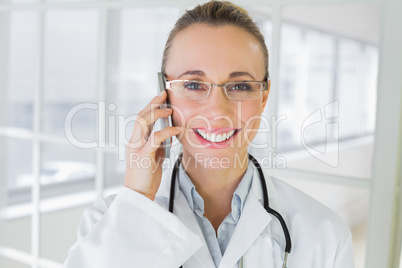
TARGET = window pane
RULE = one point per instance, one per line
(262, 16)
(70, 70)
(357, 83)
(66, 169)
(136, 42)
(22, 65)
(15, 172)
(67, 181)
(17, 234)
(327, 93)
(115, 170)
(55, 243)
(17, 165)
(4, 262)
(306, 82)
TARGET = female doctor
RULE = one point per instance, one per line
(214, 206)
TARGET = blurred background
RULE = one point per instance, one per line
(334, 112)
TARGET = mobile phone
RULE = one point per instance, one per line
(164, 122)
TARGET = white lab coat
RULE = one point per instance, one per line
(130, 230)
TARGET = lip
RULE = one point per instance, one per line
(217, 145)
(215, 130)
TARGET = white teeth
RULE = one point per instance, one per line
(215, 137)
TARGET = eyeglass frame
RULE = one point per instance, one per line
(223, 86)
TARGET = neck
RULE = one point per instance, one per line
(215, 185)
(210, 178)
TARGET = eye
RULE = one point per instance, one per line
(193, 85)
(239, 86)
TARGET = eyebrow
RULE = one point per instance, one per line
(192, 72)
(201, 73)
(237, 74)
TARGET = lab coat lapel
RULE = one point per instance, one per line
(202, 258)
(253, 220)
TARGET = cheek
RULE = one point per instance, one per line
(251, 118)
(251, 121)
(181, 112)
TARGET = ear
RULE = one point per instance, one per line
(265, 95)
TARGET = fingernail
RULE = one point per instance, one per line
(180, 128)
(163, 92)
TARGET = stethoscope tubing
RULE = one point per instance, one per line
(288, 246)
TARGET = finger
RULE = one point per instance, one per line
(152, 116)
(141, 129)
(143, 125)
(156, 138)
(148, 120)
(156, 102)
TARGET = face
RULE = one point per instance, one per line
(216, 54)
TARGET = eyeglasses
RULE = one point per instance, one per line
(197, 90)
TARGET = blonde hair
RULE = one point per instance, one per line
(216, 13)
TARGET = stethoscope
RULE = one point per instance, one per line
(288, 246)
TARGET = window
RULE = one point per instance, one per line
(319, 69)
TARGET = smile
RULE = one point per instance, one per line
(214, 136)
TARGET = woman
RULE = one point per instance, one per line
(216, 68)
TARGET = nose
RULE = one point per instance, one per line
(217, 103)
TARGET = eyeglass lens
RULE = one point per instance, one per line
(195, 90)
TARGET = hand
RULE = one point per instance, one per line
(145, 152)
